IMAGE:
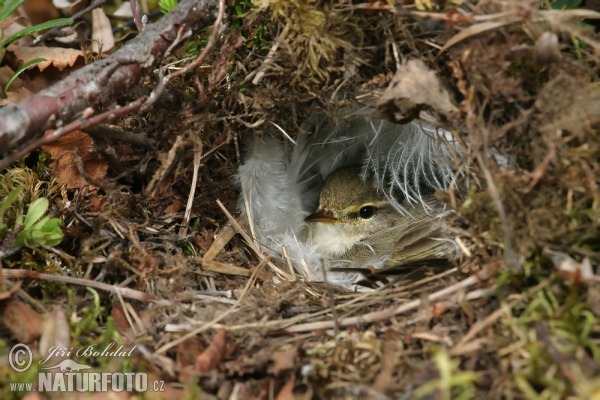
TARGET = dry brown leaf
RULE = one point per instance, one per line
(59, 57)
(287, 391)
(65, 166)
(23, 321)
(282, 361)
(5, 74)
(102, 34)
(188, 351)
(14, 28)
(6, 23)
(40, 11)
(414, 88)
(212, 356)
(55, 332)
(120, 319)
(474, 30)
(16, 97)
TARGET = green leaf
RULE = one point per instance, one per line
(9, 7)
(40, 27)
(54, 238)
(8, 200)
(40, 224)
(46, 232)
(36, 237)
(167, 5)
(23, 68)
(35, 212)
(566, 4)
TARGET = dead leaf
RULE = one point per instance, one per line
(287, 391)
(65, 166)
(6, 23)
(123, 13)
(40, 11)
(118, 316)
(102, 35)
(16, 97)
(55, 332)
(24, 322)
(282, 361)
(189, 351)
(14, 28)
(568, 268)
(413, 88)
(212, 356)
(474, 30)
(59, 57)
(5, 74)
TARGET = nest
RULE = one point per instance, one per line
(508, 79)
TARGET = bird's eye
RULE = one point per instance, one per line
(367, 212)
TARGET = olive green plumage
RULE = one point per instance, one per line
(357, 223)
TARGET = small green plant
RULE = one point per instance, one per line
(241, 9)
(452, 383)
(167, 5)
(37, 229)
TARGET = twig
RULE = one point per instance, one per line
(260, 72)
(509, 251)
(110, 133)
(251, 243)
(78, 124)
(125, 292)
(136, 15)
(212, 323)
(54, 31)
(188, 208)
(390, 312)
(98, 84)
(212, 41)
(331, 301)
(493, 317)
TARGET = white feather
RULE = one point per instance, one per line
(280, 193)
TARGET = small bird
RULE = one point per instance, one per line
(357, 223)
(371, 184)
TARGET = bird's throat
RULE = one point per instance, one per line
(332, 239)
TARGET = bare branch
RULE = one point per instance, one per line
(100, 83)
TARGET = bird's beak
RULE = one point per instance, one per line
(321, 216)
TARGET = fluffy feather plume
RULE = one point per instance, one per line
(277, 193)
